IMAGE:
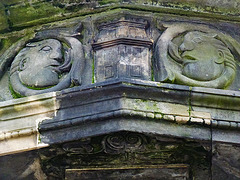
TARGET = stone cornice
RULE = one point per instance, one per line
(19, 121)
(94, 108)
(119, 105)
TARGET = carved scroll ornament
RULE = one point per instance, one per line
(196, 55)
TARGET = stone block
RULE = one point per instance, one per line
(19, 121)
(169, 117)
(197, 120)
(181, 119)
(226, 135)
(18, 144)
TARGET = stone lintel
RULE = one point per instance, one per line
(169, 172)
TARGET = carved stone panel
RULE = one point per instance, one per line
(189, 54)
(122, 50)
(196, 55)
(50, 61)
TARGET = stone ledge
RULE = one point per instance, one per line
(115, 103)
(112, 106)
(21, 143)
(19, 121)
(17, 133)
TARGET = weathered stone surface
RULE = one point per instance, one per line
(3, 19)
(21, 13)
(125, 108)
(46, 65)
(122, 50)
(225, 161)
(123, 103)
(24, 165)
(108, 51)
(184, 55)
(223, 108)
(89, 126)
(19, 121)
(126, 151)
(170, 172)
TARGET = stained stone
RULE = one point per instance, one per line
(122, 50)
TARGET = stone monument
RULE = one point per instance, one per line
(119, 90)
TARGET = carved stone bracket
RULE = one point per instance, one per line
(124, 142)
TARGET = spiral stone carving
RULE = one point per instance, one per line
(123, 142)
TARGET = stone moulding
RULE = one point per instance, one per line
(125, 41)
(181, 171)
(17, 133)
(130, 105)
(19, 121)
(139, 106)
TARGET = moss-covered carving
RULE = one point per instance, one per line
(196, 55)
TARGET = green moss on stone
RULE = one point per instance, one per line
(104, 2)
(13, 2)
(15, 95)
(22, 14)
(3, 19)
